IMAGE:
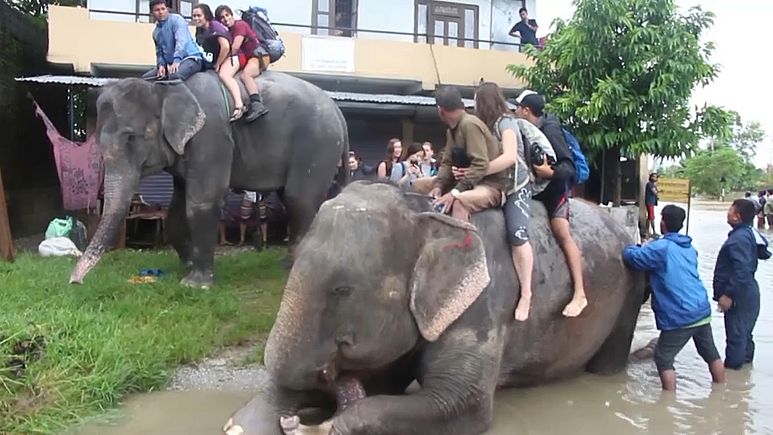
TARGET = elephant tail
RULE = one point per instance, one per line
(343, 175)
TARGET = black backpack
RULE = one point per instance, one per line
(270, 42)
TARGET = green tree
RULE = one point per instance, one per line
(621, 73)
(37, 8)
(744, 139)
(707, 168)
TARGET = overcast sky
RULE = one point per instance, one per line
(742, 37)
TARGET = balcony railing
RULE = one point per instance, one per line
(428, 38)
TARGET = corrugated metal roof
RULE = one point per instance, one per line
(67, 80)
(410, 100)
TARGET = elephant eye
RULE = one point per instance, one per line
(342, 291)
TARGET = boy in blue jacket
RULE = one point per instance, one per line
(735, 289)
(679, 299)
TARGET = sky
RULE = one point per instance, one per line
(742, 38)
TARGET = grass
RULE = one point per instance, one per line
(108, 338)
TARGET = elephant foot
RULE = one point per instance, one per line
(198, 279)
(292, 426)
(646, 352)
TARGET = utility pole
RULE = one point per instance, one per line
(6, 242)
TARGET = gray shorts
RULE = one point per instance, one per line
(671, 342)
(517, 210)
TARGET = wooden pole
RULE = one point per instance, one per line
(6, 241)
(689, 205)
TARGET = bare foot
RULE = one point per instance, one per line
(575, 307)
(522, 310)
(226, 243)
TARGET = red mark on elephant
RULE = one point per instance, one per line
(465, 244)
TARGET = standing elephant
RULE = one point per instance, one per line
(183, 128)
(435, 305)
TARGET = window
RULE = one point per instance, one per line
(339, 14)
(446, 23)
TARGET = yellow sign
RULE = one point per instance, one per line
(674, 189)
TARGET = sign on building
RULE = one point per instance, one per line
(327, 54)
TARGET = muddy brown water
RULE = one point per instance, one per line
(628, 403)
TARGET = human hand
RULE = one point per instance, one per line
(434, 193)
(544, 170)
(173, 67)
(161, 71)
(725, 303)
(446, 201)
(459, 172)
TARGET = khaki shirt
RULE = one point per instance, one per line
(472, 135)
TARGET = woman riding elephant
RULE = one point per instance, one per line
(358, 325)
(183, 128)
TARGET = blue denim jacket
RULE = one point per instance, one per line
(174, 41)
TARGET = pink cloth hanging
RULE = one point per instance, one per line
(79, 165)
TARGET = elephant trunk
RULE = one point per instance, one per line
(118, 193)
(293, 355)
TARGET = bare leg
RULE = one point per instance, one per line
(717, 369)
(574, 261)
(221, 231)
(523, 260)
(242, 233)
(668, 380)
(227, 73)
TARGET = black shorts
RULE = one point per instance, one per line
(555, 197)
(517, 210)
(671, 342)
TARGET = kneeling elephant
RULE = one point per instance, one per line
(385, 292)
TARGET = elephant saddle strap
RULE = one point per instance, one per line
(226, 98)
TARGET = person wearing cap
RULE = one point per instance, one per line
(679, 299)
(469, 144)
(555, 197)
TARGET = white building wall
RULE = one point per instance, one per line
(495, 17)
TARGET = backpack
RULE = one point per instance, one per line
(533, 141)
(257, 18)
(581, 169)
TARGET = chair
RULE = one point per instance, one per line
(151, 203)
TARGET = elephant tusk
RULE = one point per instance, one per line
(232, 429)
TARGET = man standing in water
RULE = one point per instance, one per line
(679, 299)
(735, 288)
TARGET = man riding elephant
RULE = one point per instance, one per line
(357, 325)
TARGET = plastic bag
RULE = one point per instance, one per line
(57, 247)
(59, 228)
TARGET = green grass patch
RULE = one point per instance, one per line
(108, 337)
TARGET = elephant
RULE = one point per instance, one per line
(387, 291)
(183, 128)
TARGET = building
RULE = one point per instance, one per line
(381, 59)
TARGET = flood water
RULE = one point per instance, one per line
(628, 403)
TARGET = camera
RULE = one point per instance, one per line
(537, 156)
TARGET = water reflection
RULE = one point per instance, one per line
(628, 403)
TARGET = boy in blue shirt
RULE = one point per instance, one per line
(679, 299)
(177, 55)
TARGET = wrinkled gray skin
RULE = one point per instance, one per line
(144, 128)
(384, 290)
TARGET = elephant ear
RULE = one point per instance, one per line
(181, 114)
(449, 275)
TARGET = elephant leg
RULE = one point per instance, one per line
(203, 219)
(615, 351)
(264, 414)
(178, 232)
(300, 214)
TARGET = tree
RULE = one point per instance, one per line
(621, 73)
(745, 137)
(37, 8)
(707, 168)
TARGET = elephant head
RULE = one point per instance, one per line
(376, 276)
(141, 128)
